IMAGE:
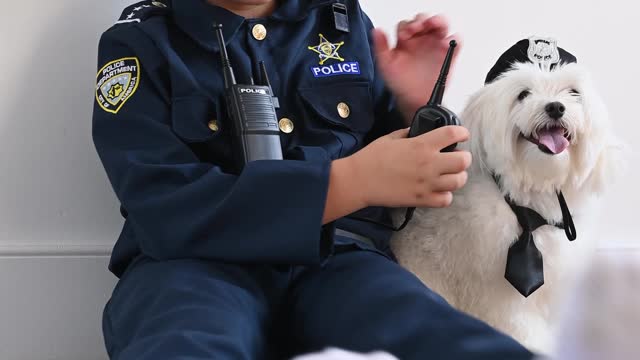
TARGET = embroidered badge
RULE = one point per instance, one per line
(327, 50)
(117, 81)
(543, 52)
(140, 11)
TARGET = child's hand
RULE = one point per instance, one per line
(412, 67)
(396, 171)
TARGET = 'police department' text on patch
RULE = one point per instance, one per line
(345, 68)
(117, 81)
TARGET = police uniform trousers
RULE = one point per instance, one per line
(358, 300)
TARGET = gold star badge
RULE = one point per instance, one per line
(327, 50)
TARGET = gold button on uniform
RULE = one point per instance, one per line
(213, 125)
(343, 110)
(259, 32)
(286, 125)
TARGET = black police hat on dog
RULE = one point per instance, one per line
(541, 51)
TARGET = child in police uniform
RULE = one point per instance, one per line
(274, 261)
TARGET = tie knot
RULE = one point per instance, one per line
(528, 218)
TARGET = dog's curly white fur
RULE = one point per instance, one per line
(461, 251)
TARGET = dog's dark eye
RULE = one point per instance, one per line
(574, 92)
(524, 94)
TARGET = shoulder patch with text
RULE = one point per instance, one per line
(117, 81)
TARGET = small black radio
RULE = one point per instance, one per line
(252, 109)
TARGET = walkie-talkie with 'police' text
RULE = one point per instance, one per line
(252, 109)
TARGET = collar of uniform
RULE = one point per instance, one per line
(296, 10)
(196, 18)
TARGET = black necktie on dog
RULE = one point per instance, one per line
(524, 261)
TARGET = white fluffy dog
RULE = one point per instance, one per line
(541, 130)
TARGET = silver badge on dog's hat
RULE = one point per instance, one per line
(543, 52)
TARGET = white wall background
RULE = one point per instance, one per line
(600, 33)
(59, 218)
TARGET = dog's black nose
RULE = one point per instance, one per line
(555, 110)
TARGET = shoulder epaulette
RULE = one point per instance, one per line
(143, 10)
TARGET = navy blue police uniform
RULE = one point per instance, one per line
(219, 265)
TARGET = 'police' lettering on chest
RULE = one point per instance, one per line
(344, 68)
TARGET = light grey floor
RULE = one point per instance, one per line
(50, 308)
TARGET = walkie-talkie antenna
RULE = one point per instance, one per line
(263, 76)
(229, 78)
(438, 89)
(265, 82)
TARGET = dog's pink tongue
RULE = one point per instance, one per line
(553, 139)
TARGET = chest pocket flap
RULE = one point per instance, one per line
(195, 118)
(347, 105)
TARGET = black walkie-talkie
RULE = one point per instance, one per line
(252, 109)
(434, 115)
(429, 117)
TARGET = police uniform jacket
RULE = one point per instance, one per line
(162, 131)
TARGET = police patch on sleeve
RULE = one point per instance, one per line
(117, 81)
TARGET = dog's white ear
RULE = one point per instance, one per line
(473, 117)
(611, 154)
